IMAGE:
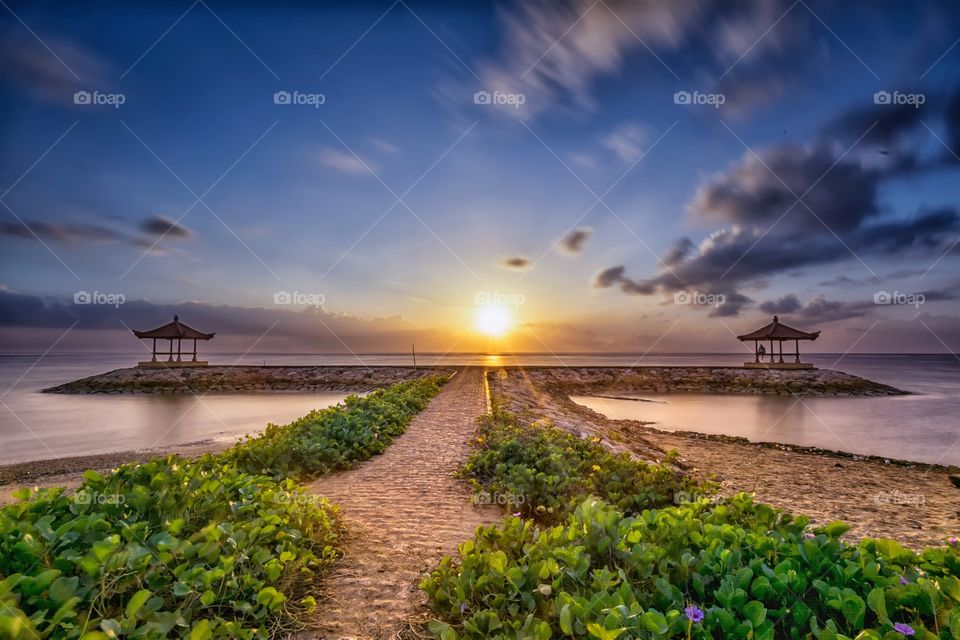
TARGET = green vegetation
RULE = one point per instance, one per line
(541, 471)
(220, 547)
(627, 565)
(336, 437)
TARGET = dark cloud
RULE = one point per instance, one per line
(163, 226)
(574, 242)
(786, 304)
(733, 303)
(516, 263)
(616, 276)
(61, 232)
(679, 251)
(762, 190)
(731, 258)
(87, 233)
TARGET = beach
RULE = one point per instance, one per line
(879, 496)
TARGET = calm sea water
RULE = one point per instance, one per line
(923, 427)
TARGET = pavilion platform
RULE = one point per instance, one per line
(778, 365)
(171, 364)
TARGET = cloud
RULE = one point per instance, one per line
(729, 258)
(63, 233)
(158, 225)
(343, 161)
(679, 251)
(627, 141)
(71, 233)
(553, 50)
(786, 304)
(30, 67)
(762, 189)
(385, 146)
(574, 242)
(516, 263)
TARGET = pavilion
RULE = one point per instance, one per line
(172, 331)
(779, 333)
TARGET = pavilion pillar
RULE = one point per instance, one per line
(169, 349)
(771, 350)
(153, 351)
(178, 349)
(756, 351)
(781, 351)
(798, 351)
(194, 349)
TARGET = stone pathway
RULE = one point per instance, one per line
(403, 510)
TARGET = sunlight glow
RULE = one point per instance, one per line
(493, 320)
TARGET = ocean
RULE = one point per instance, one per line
(923, 427)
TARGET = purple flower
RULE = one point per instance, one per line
(903, 629)
(516, 515)
(953, 541)
(904, 580)
(694, 613)
(809, 536)
(463, 607)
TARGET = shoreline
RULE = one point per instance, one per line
(916, 503)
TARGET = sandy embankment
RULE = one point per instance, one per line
(238, 379)
(914, 503)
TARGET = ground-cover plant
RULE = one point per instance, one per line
(225, 546)
(167, 548)
(696, 570)
(541, 471)
(336, 437)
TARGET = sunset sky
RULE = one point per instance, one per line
(621, 159)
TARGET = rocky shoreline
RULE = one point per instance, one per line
(241, 379)
(806, 382)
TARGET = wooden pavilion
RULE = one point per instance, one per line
(775, 332)
(171, 331)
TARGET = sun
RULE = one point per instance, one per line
(493, 320)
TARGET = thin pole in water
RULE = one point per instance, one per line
(413, 349)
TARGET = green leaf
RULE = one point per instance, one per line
(597, 631)
(137, 601)
(756, 613)
(207, 598)
(877, 602)
(853, 608)
(565, 620)
(834, 529)
(201, 631)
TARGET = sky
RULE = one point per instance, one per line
(357, 177)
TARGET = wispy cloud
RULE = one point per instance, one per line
(343, 161)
